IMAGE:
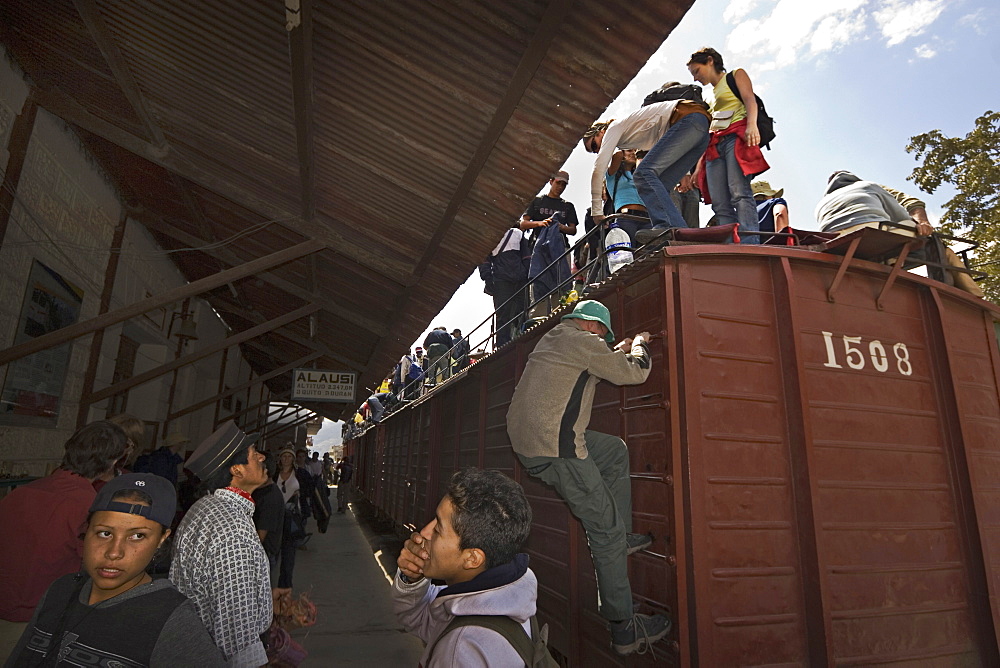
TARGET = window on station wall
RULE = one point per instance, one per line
(128, 349)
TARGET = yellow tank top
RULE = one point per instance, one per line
(724, 100)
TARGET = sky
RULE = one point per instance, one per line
(848, 82)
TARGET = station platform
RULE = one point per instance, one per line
(346, 574)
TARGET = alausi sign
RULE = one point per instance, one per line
(321, 385)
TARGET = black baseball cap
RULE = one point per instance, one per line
(159, 489)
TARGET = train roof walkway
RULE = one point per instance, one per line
(355, 625)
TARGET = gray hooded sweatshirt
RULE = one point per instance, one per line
(849, 201)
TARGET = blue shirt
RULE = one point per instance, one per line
(624, 192)
(765, 213)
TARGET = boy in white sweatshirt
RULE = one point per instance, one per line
(472, 545)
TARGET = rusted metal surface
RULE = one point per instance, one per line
(821, 477)
(403, 136)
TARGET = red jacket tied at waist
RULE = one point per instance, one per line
(750, 158)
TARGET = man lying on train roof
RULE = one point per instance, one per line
(547, 423)
(850, 204)
(472, 545)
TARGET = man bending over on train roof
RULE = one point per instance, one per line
(675, 134)
(850, 204)
(472, 545)
(547, 423)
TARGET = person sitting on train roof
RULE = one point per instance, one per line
(547, 423)
(850, 204)
(472, 545)
(675, 134)
(772, 209)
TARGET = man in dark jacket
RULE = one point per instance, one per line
(505, 274)
(459, 350)
(438, 343)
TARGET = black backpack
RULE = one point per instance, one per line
(765, 124)
(533, 649)
(674, 90)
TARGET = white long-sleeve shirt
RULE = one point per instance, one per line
(639, 130)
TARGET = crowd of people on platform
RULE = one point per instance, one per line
(111, 560)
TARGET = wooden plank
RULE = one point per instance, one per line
(17, 149)
(222, 386)
(289, 426)
(201, 354)
(236, 416)
(225, 306)
(67, 334)
(357, 319)
(110, 272)
(102, 37)
(300, 51)
(322, 228)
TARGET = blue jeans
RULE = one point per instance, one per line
(729, 189)
(671, 157)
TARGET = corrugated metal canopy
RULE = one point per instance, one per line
(403, 135)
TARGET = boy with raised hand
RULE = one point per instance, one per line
(472, 545)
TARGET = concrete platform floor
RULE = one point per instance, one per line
(355, 624)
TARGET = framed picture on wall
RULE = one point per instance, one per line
(33, 386)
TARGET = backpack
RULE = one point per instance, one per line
(416, 371)
(765, 124)
(509, 265)
(533, 651)
(675, 91)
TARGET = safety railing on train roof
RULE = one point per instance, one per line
(595, 269)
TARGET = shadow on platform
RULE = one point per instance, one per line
(350, 586)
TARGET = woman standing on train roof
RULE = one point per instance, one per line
(113, 612)
(733, 156)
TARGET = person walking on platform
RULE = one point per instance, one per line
(547, 423)
(346, 470)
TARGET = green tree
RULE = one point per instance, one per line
(972, 166)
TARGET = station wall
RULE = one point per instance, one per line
(64, 215)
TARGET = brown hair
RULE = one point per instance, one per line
(94, 449)
(597, 127)
(135, 430)
(702, 55)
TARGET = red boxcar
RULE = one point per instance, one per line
(816, 451)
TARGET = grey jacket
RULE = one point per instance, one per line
(850, 201)
(552, 402)
(425, 610)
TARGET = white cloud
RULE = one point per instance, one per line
(899, 20)
(833, 32)
(925, 51)
(773, 34)
(737, 10)
(975, 20)
(792, 27)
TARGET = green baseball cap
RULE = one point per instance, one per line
(590, 309)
